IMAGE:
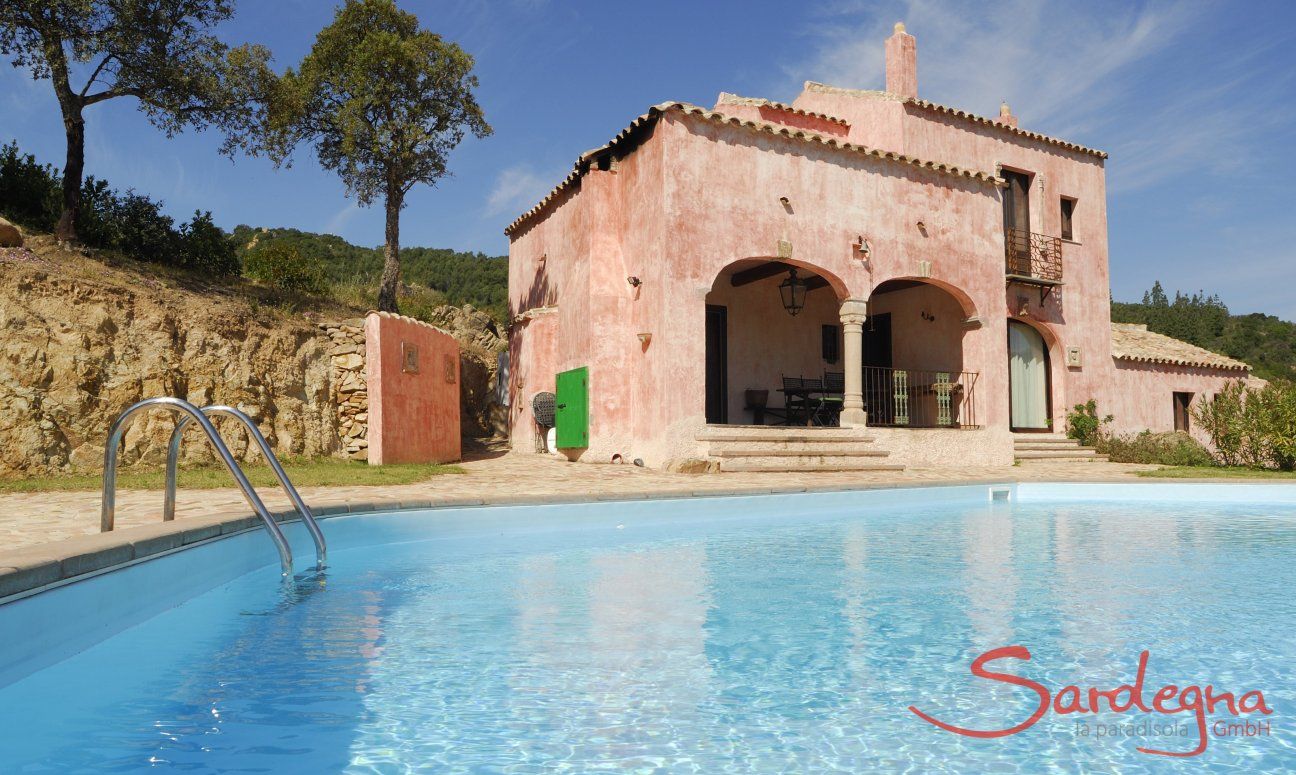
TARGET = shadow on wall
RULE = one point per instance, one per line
(541, 293)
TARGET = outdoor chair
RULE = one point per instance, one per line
(834, 383)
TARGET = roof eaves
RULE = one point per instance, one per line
(982, 120)
(727, 98)
(582, 164)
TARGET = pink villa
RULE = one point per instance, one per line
(859, 279)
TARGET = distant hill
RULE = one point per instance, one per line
(1265, 342)
(458, 278)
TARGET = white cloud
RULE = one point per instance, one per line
(341, 218)
(1068, 69)
(516, 189)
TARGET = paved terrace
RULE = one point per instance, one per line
(28, 519)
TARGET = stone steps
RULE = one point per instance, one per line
(793, 449)
(780, 433)
(1034, 446)
(808, 463)
(1052, 448)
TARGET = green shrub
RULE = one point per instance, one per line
(1224, 420)
(134, 224)
(1169, 449)
(1252, 427)
(1283, 425)
(284, 267)
(205, 248)
(1083, 423)
(30, 194)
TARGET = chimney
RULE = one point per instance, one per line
(1005, 115)
(902, 63)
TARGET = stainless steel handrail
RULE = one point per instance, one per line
(108, 507)
(173, 459)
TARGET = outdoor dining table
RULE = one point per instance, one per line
(815, 399)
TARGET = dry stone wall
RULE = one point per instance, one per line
(79, 344)
(347, 358)
(81, 340)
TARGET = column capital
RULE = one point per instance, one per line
(854, 312)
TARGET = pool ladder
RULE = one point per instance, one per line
(190, 413)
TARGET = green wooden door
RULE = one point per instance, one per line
(571, 411)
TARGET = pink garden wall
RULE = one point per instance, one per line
(413, 378)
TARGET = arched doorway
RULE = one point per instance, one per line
(754, 343)
(1028, 379)
(913, 360)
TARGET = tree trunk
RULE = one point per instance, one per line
(74, 125)
(70, 104)
(391, 254)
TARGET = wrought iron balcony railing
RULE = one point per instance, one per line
(1031, 256)
(911, 398)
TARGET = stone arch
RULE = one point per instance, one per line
(836, 283)
(964, 300)
(753, 343)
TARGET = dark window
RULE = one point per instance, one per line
(1016, 200)
(1068, 208)
(831, 343)
(717, 364)
(1181, 403)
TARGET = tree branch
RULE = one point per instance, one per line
(95, 75)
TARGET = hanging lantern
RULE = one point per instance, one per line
(793, 292)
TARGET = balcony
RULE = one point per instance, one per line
(1033, 259)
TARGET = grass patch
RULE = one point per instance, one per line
(1217, 472)
(303, 472)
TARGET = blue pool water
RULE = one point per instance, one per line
(695, 638)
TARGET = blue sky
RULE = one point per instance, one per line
(1194, 101)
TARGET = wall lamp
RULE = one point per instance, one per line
(635, 282)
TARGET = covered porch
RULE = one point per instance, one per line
(786, 345)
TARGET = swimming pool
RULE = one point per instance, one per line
(753, 634)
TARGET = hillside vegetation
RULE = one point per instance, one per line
(1265, 342)
(432, 276)
(298, 269)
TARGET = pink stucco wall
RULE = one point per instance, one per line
(413, 408)
(1144, 398)
(687, 199)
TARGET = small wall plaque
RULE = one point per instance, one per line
(450, 370)
(784, 249)
(1074, 359)
(409, 358)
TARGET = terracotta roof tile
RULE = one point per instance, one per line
(955, 112)
(972, 117)
(624, 136)
(726, 98)
(1134, 342)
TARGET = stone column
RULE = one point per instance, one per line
(853, 314)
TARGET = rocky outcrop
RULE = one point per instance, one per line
(10, 235)
(480, 344)
(80, 342)
(347, 354)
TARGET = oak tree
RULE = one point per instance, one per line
(383, 102)
(160, 52)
